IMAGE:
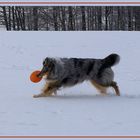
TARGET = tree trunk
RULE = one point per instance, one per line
(5, 17)
(35, 18)
(13, 16)
(137, 18)
(83, 18)
(55, 18)
(70, 25)
(9, 21)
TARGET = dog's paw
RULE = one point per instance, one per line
(38, 95)
(41, 95)
(35, 96)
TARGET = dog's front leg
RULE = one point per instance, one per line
(39, 95)
(48, 90)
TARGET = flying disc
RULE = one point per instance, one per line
(34, 78)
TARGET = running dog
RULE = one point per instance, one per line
(67, 72)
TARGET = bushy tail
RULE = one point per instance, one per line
(109, 61)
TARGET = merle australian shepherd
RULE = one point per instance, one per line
(67, 72)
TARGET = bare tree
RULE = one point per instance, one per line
(35, 18)
(70, 18)
(70, 25)
(83, 18)
(5, 17)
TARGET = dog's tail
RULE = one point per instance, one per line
(109, 61)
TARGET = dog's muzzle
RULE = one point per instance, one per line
(43, 72)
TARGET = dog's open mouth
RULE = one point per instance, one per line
(42, 73)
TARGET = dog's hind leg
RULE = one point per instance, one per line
(103, 88)
(116, 88)
(100, 88)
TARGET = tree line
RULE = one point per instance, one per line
(70, 18)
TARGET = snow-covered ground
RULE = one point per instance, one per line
(79, 110)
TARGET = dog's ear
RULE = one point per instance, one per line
(51, 64)
(46, 61)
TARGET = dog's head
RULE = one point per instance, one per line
(48, 66)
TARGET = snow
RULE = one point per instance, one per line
(79, 110)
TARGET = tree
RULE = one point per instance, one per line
(5, 17)
(70, 22)
(35, 18)
(70, 18)
(83, 18)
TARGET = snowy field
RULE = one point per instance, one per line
(79, 110)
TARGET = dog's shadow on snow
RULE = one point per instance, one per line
(81, 97)
(92, 97)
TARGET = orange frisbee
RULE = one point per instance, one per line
(34, 78)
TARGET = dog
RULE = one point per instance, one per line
(67, 72)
